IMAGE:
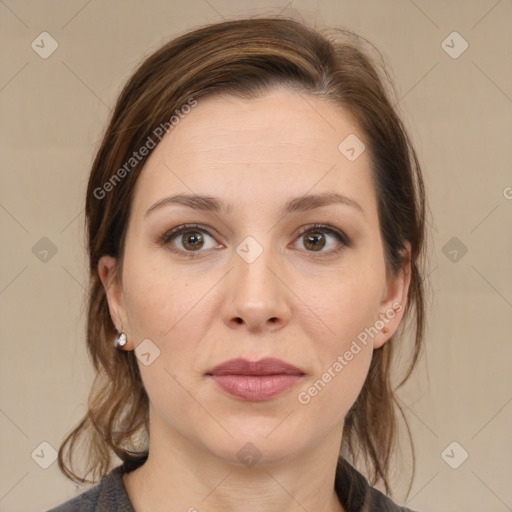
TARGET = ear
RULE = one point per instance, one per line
(394, 300)
(111, 280)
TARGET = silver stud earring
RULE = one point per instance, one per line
(120, 340)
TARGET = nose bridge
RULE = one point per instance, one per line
(253, 262)
(257, 295)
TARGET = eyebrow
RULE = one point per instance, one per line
(297, 204)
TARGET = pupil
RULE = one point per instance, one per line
(316, 241)
(193, 241)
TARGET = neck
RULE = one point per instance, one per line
(179, 475)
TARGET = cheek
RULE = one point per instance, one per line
(346, 308)
(156, 296)
(328, 396)
(342, 320)
(151, 307)
(172, 309)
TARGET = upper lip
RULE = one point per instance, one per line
(265, 366)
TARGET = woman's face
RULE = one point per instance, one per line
(255, 279)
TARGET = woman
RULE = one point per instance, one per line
(256, 232)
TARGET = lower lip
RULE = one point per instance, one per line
(256, 388)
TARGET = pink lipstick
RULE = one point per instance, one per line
(256, 380)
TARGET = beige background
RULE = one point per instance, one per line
(459, 111)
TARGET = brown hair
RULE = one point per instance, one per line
(247, 57)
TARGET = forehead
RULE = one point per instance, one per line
(277, 121)
(282, 139)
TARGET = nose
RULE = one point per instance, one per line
(258, 299)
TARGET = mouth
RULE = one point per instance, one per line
(255, 380)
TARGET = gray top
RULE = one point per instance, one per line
(110, 495)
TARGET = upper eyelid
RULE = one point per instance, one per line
(179, 230)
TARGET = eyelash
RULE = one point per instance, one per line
(184, 228)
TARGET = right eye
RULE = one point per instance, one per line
(188, 238)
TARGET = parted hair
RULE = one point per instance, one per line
(246, 58)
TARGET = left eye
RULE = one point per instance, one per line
(315, 239)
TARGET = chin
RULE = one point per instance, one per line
(257, 441)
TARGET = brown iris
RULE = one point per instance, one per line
(193, 240)
(314, 240)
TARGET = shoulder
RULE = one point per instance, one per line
(378, 502)
(85, 502)
(109, 495)
(356, 495)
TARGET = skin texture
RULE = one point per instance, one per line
(301, 305)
